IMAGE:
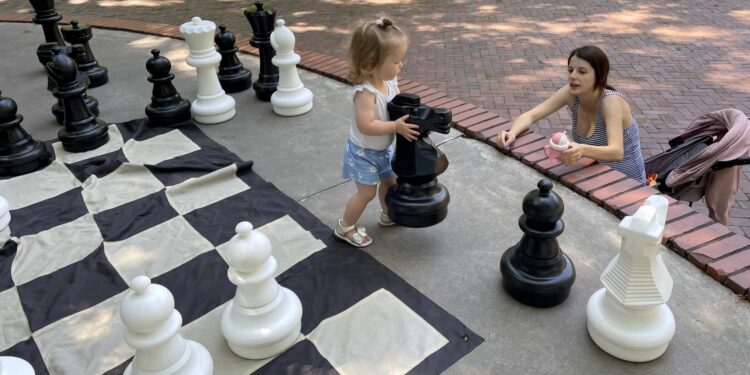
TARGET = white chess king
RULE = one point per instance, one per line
(152, 327)
(212, 105)
(264, 319)
(629, 318)
(15, 366)
(291, 98)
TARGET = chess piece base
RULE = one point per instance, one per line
(236, 82)
(97, 74)
(15, 366)
(266, 331)
(84, 141)
(539, 290)
(264, 90)
(292, 102)
(633, 335)
(418, 205)
(213, 110)
(170, 115)
(35, 159)
(198, 362)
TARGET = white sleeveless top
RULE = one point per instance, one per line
(374, 142)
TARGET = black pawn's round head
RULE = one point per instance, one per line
(8, 109)
(543, 206)
(158, 66)
(74, 24)
(224, 39)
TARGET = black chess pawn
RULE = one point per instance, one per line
(232, 75)
(262, 22)
(46, 15)
(81, 33)
(167, 107)
(535, 271)
(91, 103)
(418, 199)
(19, 153)
(82, 130)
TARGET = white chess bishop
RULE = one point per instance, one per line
(629, 318)
(212, 105)
(15, 366)
(4, 213)
(264, 319)
(291, 98)
(151, 327)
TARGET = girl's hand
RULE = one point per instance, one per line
(573, 154)
(406, 130)
(505, 138)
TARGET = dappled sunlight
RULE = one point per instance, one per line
(368, 2)
(138, 3)
(176, 56)
(535, 41)
(625, 22)
(95, 327)
(77, 2)
(303, 13)
(487, 8)
(305, 28)
(689, 34)
(741, 15)
(148, 42)
(721, 75)
(131, 256)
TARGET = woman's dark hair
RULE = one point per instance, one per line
(598, 61)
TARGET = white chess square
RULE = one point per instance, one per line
(13, 321)
(290, 243)
(378, 335)
(156, 250)
(157, 149)
(202, 191)
(114, 144)
(52, 249)
(127, 183)
(88, 342)
(25, 190)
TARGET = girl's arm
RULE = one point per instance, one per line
(614, 113)
(524, 121)
(364, 104)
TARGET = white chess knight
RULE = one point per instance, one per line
(152, 326)
(15, 366)
(264, 318)
(291, 98)
(4, 213)
(629, 318)
(212, 105)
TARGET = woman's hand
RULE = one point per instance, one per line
(406, 130)
(572, 154)
(505, 138)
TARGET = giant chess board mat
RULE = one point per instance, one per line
(163, 202)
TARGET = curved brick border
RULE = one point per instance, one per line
(710, 246)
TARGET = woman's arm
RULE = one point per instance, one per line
(524, 121)
(614, 113)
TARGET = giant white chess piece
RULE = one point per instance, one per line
(291, 97)
(264, 318)
(4, 213)
(212, 105)
(15, 366)
(152, 326)
(629, 318)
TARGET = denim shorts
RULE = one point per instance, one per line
(367, 166)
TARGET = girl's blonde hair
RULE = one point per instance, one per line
(371, 43)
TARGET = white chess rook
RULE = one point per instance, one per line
(152, 326)
(15, 366)
(4, 213)
(264, 319)
(212, 105)
(291, 97)
(629, 318)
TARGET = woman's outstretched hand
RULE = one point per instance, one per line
(505, 138)
(573, 154)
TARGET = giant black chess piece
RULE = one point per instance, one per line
(167, 106)
(82, 130)
(232, 75)
(46, 15)
(535, 271)
(80, 33)
(418, 199)
(91, 103)
(19, 153)
(262, 22)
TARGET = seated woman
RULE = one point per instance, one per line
(604, 127)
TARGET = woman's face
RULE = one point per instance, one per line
(581, 76)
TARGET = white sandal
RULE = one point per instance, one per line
(359, 237)
(385, 220)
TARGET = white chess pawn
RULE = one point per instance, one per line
(212, 105)
(629, 318)
(4, 213)
(291, 97)
(15, 366)
(264, 319)
(152, 326)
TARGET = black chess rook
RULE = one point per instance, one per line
(19, 153)
(262, 22)
(46, 15)
(232, 75)
(167, 106)
(418, 200)
(82, 131)
(80, 34)
(535, 271)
